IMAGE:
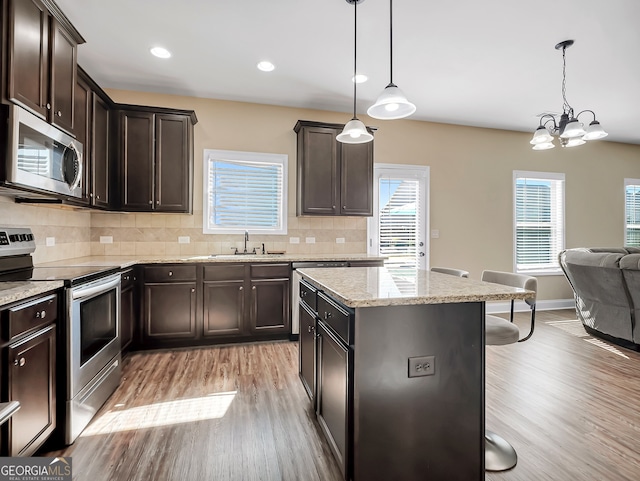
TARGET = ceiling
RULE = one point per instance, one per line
(486, 64)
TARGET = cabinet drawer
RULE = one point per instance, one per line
(308, 295)
(224, 272)
(128, 279)
(337, 317)
(31, 315)
(270, 271)
(169, 273)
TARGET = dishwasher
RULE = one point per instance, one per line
(295, 289)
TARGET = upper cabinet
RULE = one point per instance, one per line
(156, 159)
(93, 129)
(333, 178)
(41, 56)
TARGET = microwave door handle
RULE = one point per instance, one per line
(90, 291)
(76, 181)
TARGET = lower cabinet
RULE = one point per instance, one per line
(29, 375)
(169, 304)
(307, 350)
(211, 303)
(127, 308)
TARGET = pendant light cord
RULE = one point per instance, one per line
(566, 107)
(391, 42)
(355, 53)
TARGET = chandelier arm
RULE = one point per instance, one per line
(587, 110)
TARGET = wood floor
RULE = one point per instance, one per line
(569, 405)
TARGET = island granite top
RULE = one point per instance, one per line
(379, 286)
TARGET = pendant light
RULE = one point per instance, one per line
(355, 131)
(570, 131)
(392, 103)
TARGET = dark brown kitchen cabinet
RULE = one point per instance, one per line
(93, 130)
(156, 159)
(307, 350)
(332, 178)
(29, 337)
(41, 73)
(269, 306)
(169, 304)
(224, 300)
(127, 308)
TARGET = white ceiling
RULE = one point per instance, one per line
(489, 63)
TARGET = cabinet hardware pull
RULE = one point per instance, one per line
(193, 290)
(344, 206)
(334, 206)
(253, 288)
(327, 315)
(41, 314)
(170, 273)
(150, 202)
(240, 288)
(98, 197)
(48, 106)
(157, 202)
(20, 362)
(312, 328)
(59, 113)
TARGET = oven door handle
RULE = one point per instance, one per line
(95, 289)
(7, 410)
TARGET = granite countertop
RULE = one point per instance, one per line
(378, 286)
(128, 261)
(17, 291)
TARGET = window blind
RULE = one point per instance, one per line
(245, 195)
(399, 222)
(632, 212)
(539, 223)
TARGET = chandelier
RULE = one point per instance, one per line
(570, 131)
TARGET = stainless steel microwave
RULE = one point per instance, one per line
(42, 157)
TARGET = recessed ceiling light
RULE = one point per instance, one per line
(266, 66)
(359, 78)
(160, 52)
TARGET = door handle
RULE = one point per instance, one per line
(20, 362)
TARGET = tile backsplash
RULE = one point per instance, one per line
(179, 234)
(81, 232)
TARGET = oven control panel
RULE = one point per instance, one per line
(16, 241)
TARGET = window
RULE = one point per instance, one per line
(539, 221)
(244, 191)
(632, 212)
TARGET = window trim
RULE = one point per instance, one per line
(627, 182)
(558, 176)
(282, 159)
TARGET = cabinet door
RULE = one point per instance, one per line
(333, 405)
(63, 76)
(136, 157)
(307, 350)
(28, 55)
(356, 179)
(269, 306)
(317, 171)
(127, 316)
(223, 308)
(172, 164)
(82, 129)
(100, 154)
(32, 365)
(170, 311)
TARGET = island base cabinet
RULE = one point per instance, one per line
(334, 395)
(307, 348)
(417, 428)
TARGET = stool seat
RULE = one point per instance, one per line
(500, 331)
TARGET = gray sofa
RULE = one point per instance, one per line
(606, 286)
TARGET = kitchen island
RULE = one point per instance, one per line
(400, 370)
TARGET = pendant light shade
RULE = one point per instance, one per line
(354, 131)
(572, 129)
(392, 103)
(595, 131)
(541, 136)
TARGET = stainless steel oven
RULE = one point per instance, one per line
(93, 359)
(41, 157)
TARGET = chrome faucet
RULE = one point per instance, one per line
(246, 239)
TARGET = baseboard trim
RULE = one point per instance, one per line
(520, 306)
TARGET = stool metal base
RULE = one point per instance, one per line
(499, 455)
